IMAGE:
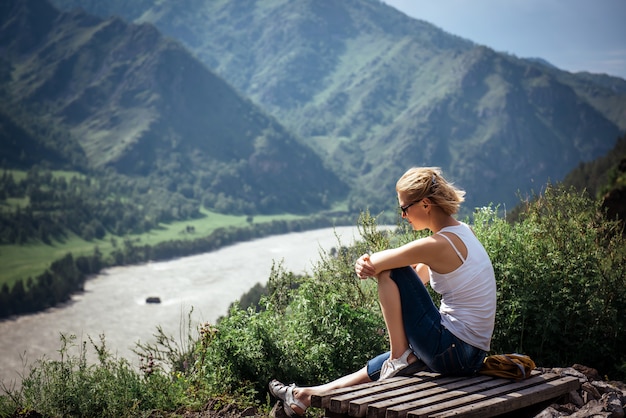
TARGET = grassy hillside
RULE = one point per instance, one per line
(45, 215)
(126, 98)
(374, 92)
(30, 260)
(57, 228)
(604, 179)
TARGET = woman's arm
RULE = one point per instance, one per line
(416, 252)
(435, 252)
(421, 251)
(423, 272)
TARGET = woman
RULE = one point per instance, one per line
(453, 339)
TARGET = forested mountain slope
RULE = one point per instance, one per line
(604, 178)
(374, 92)
(128, 98)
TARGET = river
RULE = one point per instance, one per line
(114, 302)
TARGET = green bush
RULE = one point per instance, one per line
(561, 275)
(310, 330)
(72, 387)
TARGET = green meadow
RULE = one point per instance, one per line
(30, 260)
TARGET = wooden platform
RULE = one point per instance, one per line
(431, 395)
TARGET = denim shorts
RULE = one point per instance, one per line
(439, 349)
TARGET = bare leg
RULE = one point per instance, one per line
(389, 298)
(303, 394)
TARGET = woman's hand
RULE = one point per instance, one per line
(364, 267)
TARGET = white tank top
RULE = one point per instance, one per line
(468, 294)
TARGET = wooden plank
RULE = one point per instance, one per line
(455, 399)
(431, 395)
(323, 400)
(358, 406)
(398, 407)
(462, 397)
(341, 403)
(515, 400)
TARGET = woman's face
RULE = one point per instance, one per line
(412, 211)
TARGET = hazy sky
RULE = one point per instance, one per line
(574, 35)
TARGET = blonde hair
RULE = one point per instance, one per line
(427, 182)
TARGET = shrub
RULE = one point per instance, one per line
(72, 387)
(310, 330)
(561, 274)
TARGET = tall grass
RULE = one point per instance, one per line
(73, 387)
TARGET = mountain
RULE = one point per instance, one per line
(23, 144)
(604, 178)
(129, 99)
(543, 62)
(374, 92)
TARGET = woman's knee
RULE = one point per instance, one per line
(402, 274)
(398, 278)
(397, 273)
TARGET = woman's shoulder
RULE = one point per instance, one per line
(462, 230)
(458, 226)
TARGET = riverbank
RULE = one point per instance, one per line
(113, 302)
(60, 270)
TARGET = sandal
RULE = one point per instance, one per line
(285, 394)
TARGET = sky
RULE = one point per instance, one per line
(574, 35)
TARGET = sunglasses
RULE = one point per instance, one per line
(406, 207)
